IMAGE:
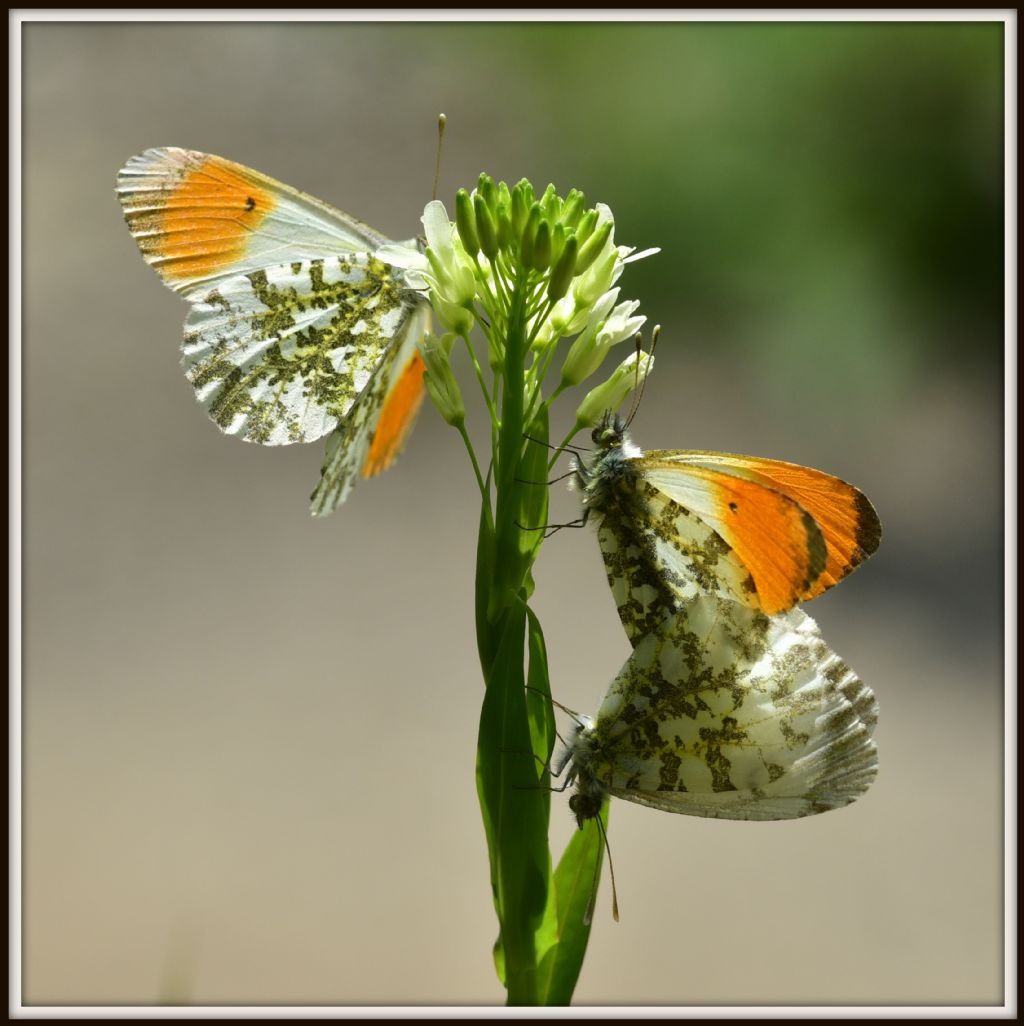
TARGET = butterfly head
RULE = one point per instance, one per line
(598, 476)
(610, 432)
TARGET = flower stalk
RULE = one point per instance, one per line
(527, 273)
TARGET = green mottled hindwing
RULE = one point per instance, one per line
(280, 355)
(725, 712)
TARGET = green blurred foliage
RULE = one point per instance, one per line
(822, 192)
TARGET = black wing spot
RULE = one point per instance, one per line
(733, 506)
(250, 204)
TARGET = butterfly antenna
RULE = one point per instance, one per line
(441, 122)
(641, 385)
(611, 870)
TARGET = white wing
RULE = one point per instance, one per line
(281, 355)
(375, 428)
(728, 713)
(658, 556)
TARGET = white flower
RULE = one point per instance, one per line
(609, 395)
(605, 328)
(452, 267)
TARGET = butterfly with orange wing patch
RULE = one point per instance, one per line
(297, 329)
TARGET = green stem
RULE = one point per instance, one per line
(476, 466)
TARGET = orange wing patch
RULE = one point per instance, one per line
(397, 415)
(774, 537)
(198, 221)
(847, 520)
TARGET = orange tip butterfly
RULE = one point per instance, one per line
(298, 329)
(675, 524)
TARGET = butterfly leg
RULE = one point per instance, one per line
(550, 529)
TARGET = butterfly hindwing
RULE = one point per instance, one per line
(279, 355)
(375, 428)
(724, 712)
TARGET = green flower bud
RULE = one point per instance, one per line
(453, 317)
(527, 189)
(596, 280)
(591, 249)
(504, 228)
(542, 246)
(550, 204)
(526, 243)
(439, 380)
(486, 230)
(520, 209)
(504, 197)
(609, 396)
(572, 209)
(465, 221)
(588, 222)
(564, 270)
(557, 242)
(486, 189)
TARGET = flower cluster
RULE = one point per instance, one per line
(549, 261)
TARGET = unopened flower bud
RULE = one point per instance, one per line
(593, 247)
(588, 222)
(520, 209)
(465, 221)
(486, 229)
(504, 223)
(486, 189)
(572, 209)
(550, 204)
(595, 281)
(439, 380)
(542, 246)
(563, 271)
(453, 317)
(526, 243)
(609, 395)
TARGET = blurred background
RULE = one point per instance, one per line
(249, 737)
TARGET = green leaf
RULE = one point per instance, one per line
(487, 637)
(538, 703)
(532, 487)
(575, 877)
(514, 810)
(542, 733)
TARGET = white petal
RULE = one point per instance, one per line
(640, 256)
(438, 230)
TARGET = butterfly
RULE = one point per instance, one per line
(727, 713)
(677, 524)
(297, 329)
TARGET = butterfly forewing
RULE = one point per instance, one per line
(727, 713)
(845, 517)
(659, 555)
(772, 535)
(198, 218)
